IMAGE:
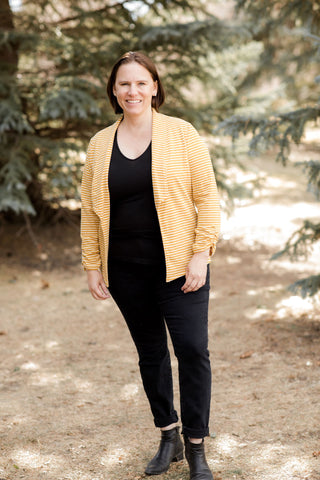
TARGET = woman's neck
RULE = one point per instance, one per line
(134, 134)
(137, 122)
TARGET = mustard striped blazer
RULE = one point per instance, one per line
(185, 194)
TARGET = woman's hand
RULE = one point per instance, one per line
(96, 285)
(196, 272)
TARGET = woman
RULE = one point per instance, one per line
(150, 222)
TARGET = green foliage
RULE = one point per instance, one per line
(67, 104)
(14, 177)
(281, 130)
(299, 245)
(312, 168)
(12, 119)
(306, 287)
(289, 32)
(55, 57)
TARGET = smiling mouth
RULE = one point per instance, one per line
(133, 101)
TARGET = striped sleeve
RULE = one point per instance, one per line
(204, 192)
(89, 220)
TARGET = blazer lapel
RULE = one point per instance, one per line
(102, 173)
(160, 154)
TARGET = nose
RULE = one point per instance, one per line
(132, 89)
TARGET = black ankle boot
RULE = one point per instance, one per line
(170, 450)
(196, 458)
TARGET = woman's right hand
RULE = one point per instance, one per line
(96, 285)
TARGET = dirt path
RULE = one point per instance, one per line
(72, 404)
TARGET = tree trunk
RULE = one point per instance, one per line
(9, 51)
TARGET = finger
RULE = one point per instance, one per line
(94, 295)
(190, 281)
(104, 291)
(190, 286)
(186, 284)
(194, 285)
(98, 295)
(103, 286)
(198, 286)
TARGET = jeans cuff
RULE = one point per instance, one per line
(165, 421)
(195, 432)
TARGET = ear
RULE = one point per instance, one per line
(155, 89)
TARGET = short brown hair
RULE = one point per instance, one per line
(145, 61)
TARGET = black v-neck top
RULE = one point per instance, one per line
(134, 226)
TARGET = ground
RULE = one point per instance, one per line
(72, 403)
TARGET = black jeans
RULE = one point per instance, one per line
(148, 303)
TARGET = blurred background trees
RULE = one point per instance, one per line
(288, 74)
(243, 67)
(55, 59)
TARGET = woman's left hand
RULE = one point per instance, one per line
(196, 272)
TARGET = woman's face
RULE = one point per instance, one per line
(134, 88)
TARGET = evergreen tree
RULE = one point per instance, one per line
(288, 30)
(53, 99)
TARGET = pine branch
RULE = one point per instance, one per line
(299, 245)
(312, 169)
(307, 287)
(280, 130)
(82, 14)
